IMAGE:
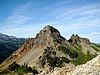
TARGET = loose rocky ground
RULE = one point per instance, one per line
(90, 68)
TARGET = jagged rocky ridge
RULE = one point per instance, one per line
(49, 50)
(8, 44)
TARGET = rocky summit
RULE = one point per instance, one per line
(49, 51)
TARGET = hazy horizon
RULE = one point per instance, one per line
(25, 18)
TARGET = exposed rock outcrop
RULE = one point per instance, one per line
(82, 44)
(76, 39)
(92, 67)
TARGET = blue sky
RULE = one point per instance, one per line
(25, 18)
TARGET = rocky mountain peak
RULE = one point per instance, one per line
(76, 39)
(50, 30)
(47, 35)
(48, 27)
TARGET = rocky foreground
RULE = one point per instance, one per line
(90, 68)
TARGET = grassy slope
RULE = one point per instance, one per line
(96, 48)
(82, 58)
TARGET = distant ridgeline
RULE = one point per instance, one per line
(9, 44)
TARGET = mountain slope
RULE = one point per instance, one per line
(83, 46)
(47, 39)
(8, 44)
(92, 67)
(49, 50)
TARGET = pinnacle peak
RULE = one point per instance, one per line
(74, 35)
(48, 27)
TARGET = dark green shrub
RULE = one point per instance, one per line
(70, 40)
(20, 70)
(88, 56)
(6, 71)
(34, 71)
(95, 48)
(49, 56)
(64, 59)
(13, 66)
(42, 61)
(54, 53)
(55, 62)
(97, 44)
(72, 53)
(23, 69)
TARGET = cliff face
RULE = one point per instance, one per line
(49, 50)
(75, 39)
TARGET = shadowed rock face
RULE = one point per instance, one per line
(47, 35)
(76, 39)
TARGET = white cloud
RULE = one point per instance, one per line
(27, 31)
